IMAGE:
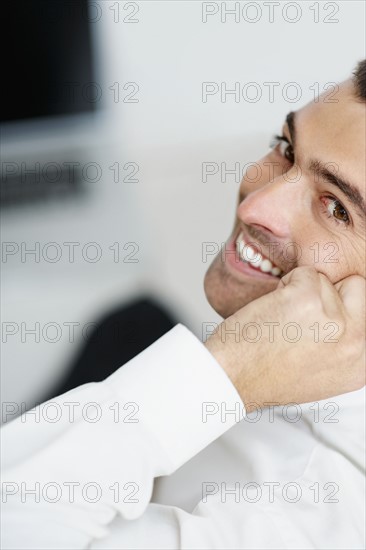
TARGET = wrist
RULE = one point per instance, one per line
(237, 369)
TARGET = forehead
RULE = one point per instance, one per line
(333, 129)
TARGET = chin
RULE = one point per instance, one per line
(227, 293)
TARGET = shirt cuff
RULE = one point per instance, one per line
(184, 397)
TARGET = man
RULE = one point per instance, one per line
(236, 468)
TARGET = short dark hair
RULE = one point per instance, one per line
(359, 80)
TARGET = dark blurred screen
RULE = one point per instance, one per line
(47, 59)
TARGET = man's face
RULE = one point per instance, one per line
(302, 204)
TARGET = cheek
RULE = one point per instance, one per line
(336, 258)
(353, 249)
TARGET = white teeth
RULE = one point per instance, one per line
(257, 262)
(254, 258)
(275, 271)
(250, 254)
(266, 266)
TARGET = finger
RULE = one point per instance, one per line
(352, 292)
(309, 284)
(301, 278)
(331, 301)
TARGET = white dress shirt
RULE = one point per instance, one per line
(161, 455)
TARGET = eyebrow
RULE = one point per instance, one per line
(320, 170)
(290, 119)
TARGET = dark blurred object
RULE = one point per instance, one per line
(50, 96)
(48, 68)
(116, 338)
(57, 182)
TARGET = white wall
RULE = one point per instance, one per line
(169, 133)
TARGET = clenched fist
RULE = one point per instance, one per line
(303, 342)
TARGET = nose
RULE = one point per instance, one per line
(277, 206)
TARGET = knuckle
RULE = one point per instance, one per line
(311, 301)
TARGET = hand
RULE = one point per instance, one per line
(303, 342)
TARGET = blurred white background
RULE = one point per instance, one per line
(168, 52)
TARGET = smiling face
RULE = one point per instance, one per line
(302, 204)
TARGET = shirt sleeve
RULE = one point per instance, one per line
(84, 462)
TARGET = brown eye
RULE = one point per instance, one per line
(289, 153)
(335, 210)
(340, 213)
(284, 147)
